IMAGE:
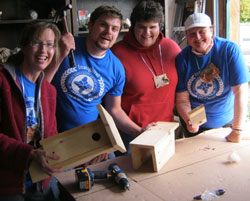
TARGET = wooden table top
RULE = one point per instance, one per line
(200, 163)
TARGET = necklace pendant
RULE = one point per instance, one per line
(209, 73)
(161, 80)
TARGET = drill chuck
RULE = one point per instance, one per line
(119, 176)
(123, 182)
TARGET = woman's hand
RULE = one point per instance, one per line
(41, 157)
(191, 128)
(233, 137)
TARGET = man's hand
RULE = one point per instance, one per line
(95, 160)
(41, 157)
(233, 137)
(66, 43)
(99, 159)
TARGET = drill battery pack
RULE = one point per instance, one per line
(84, 179)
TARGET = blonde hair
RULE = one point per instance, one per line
(32, 31)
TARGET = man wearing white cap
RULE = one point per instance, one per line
(211, 71)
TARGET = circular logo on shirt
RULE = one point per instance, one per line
(82, 83)
(205, 90)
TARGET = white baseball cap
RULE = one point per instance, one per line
(197, 20)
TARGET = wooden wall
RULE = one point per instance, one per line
(234, 15)
(234, 33)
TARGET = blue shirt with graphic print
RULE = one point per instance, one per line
(28, 90)
(81, 88)
(226, 69)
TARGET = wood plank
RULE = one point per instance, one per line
(163, 151)
(184, 183)
(192, 157)
(136, 193)
(113, 133)
(191, 150)
(198, 116)
(154, 134)
(235, 21)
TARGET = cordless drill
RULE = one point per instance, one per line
(85, 177)
(119, 176)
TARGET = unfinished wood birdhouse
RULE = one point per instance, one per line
(156, 143)
(81, 144)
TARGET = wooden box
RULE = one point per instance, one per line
(156, 143)
(81, 144)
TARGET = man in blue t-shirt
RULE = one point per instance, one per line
(212, 72)
(98, 75)
(81, 88)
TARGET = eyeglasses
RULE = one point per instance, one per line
(39, 44)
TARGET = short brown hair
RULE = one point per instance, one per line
(147, 10)
(106, 10)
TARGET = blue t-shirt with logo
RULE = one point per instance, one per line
(29, 91)
(228, 69)
(81, 88)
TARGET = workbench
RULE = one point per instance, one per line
(200, 163)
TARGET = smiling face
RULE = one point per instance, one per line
(200, 38)
(39, 53)
(146, 32)
(103, 34)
